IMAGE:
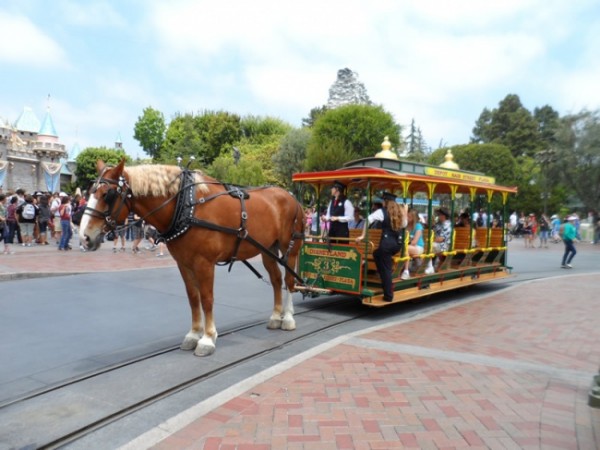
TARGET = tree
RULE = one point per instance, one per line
(548, 121)
(259, 142)
(347, 90)
(577, 162)
(86, 171)
(218, 131)
(257, 129)
(291, 154)
(182, 140)
(350, 132)
(314, 114)
(416, 147)
(204, 136)
(150, 130)
(511, 125)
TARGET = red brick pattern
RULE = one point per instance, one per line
(355, 397)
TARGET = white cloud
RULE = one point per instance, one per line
(22, 43)
(90, 14)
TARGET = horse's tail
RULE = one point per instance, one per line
(300, 220)
(297, 231)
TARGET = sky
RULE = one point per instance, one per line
(98, 64)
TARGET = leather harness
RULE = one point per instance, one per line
(183, 217)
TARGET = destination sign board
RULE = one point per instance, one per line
(336, 267)
(458, 176)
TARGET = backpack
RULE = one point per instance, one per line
(28, 212)
(77, 215)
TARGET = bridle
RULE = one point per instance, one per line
(117, 190)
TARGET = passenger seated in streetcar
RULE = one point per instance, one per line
(441, 241)
(416, 244)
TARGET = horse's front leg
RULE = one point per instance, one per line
(205, 274)
(191, 339)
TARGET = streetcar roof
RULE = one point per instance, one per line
(389, 172)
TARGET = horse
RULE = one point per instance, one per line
(204, 223)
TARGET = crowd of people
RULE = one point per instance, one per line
(44, 218)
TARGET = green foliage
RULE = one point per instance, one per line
(548, 124)
(182, 139)
(204, 136)
(291, 155)
(314, 114)
(416, 147)
(257, 129)
(218, 132)
(150, 130)
(349, 132)
(245, 173)
(330, 156)
(86, 163)
(577, 161)
(511, 125)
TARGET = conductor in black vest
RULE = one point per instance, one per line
(393, 218)
(339, 212)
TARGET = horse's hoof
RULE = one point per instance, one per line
(288, 324)
(189, 343)
(204, 350)
(274, 324)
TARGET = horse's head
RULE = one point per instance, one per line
(108, 205)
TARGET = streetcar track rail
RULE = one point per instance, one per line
(77, 433)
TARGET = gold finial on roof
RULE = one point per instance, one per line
(449, 161)
(385, 152)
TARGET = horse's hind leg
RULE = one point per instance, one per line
(282, 315)
(288, 308)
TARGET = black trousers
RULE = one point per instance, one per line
(388, 247)
(338, 229)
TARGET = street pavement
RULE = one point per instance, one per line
(512, 369)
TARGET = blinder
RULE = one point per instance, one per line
(117, 189)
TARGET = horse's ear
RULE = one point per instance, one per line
(119, 168)
(100, 166)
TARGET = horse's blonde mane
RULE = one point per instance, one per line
(159, 180)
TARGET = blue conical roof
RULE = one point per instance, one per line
(74, 152)
(27, 121)
(47, 128)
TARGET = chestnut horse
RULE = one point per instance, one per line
(204, 222)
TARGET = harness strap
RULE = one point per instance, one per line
(242, 232)
(212, 226)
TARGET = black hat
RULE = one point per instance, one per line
(389, 196)
(443, 211)
(338, 185)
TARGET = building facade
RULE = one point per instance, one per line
(31, 155)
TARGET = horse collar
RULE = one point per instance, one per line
(184, 208)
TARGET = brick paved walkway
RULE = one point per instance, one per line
(509, 371)
(46, 260)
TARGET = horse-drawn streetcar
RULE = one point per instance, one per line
(206, 223)
(472, 254)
